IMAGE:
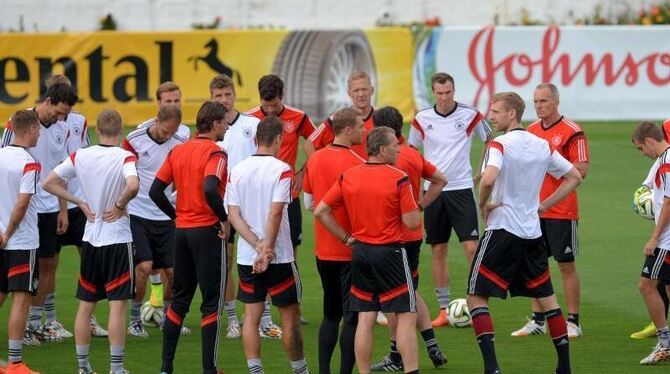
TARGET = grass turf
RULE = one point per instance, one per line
(611, 240)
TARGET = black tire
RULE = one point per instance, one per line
(315, 65)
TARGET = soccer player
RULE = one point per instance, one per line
(198, 170)
(19, 176)
(296, 124)
(333, 258)
(446, 131)
(411, 162)
(259, 191)
(108, 179)
(153, 231)
(648, 138)
(360, 90)
(378, 200)
(239, 143)
(167, 93)
(559, 224)
(511, 255)
(52, 218)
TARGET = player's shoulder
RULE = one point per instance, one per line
(466, 108)
(75, 118)
(183, 133)
(425, 113)
(293, 110)
(248, 118)
(255, 111)
(570, 126)
(147, 123)
(535, 127)
(137, 134)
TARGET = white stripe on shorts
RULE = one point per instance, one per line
(478, 261)
(408, 279)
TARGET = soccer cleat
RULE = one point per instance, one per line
(381, 319)
(387, 364)
(185, 330)
(574, 330)
(19, 368)
(270, 331)
(56, 329)
(441, 320)
(437, 357)
(531, 328)
(97, 330)
(47, 334)
(136, 329)
(30, 337)
(233, 330)
(84, 371)
(648, 331)
(125, 371)
(658, 354)
(303, 320)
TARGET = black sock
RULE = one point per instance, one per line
(428, 336)
(395, 355)
(209, 328)
(664, 296)
(483, 325)
(347, 353)
(538, 317)
(327, 342)
(574, 318)
(171, 332)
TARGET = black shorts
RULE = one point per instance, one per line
(657, 266)
(560, 238)
(75, 229)
(504, 261)
(18, 270)
(452, 209)
(106, 272)
(154, 241)
(381, 279)
(295, 222)
(281, 281)
(47, 223)
(336, 284)
(413, 250)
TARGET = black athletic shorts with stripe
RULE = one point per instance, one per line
(47, 224)
(75, 229)
(281, 281)
(452, 210)
(106, 272)
(560, 238)
(154, 241)
(657, 266)
(381, 279)
(505, 262)
(18, 271)
(413, 250)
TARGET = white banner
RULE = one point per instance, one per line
(602, 72)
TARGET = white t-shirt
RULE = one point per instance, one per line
(102, 173)
(240, 139)
(660, 185)
(19, 173)
(447, 141)
(523, 160)
(253, 185)
(150, 157)
(51, 150)
(78, 139)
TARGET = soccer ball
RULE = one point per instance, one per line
(643, 202)
(152, 316)
(458, 313)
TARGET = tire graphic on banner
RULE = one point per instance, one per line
(315, 65)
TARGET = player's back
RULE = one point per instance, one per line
(326, 165)
(416, 166)
(239, 141)
(19, 173)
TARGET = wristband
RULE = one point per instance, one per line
(346, 238)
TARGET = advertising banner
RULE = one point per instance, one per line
(602, 72)
(122, 70)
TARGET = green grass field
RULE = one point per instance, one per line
(611, 240)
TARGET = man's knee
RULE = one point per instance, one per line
(567, 268)
(439, 250)
(648, 286)
(143, 270)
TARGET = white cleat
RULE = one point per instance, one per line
(574, 330)
(658, 354)
(185, 330)
(56, 329)
(233, 330)
(531, 328)
(381, 319)
(136, 329)
(97, 330)
(270, 331)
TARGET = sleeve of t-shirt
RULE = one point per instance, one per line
(66, 170)
(664, 174)
(31, 175)
(427, 169)
(407, 202)
(7, 135)
(307, 127)
(334, 197)
(282, 191)
(306, 183)
(129, 169)
(322, 136)
(649, 181)
(494, 155)
(165, 174)
(416, 135)
(85, 139)
(125, 144)
(578, 149)
(216, 165)
(483, 130)
(558, 165)
(231, 191)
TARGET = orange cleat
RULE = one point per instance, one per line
(441, 320)
(19, 368)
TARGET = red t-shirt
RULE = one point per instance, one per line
(325, 135)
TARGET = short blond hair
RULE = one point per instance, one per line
(109, 123)
(359, 74)
(166, 87)
(221, 81)
(512, 101)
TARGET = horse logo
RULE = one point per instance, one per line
(212, 60)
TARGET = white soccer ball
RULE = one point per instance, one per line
(458, 313)
(152, 316)
(643, 202)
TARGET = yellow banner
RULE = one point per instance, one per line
(122, 70)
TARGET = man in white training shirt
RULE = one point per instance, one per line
(19, 238)
(258, 194)
(511, 255)
(108, 179)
